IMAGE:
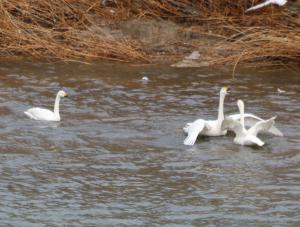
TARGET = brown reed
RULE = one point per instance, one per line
(61, 29)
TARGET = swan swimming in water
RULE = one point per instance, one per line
(245, 136)
(207, 127)
(268, 2)
(44, 114)
(250, 120)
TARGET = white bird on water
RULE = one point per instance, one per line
(280, 91)
(41, 114)
(245, 136)
(250, 120)
(268, 2)
(206, 127)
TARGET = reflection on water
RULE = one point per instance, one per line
(117, 158)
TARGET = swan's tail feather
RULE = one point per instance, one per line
(257, 141)
(260, 143)
(28, 114)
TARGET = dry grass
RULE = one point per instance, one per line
(59, 29)
(71, 30)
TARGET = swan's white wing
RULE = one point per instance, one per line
(40, 114)
(279, 2)
(193, 130)
(268, 2)
(262, 126)
(251, 120)
(232, 125)
(259, 5)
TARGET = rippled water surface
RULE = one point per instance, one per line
(117, 158)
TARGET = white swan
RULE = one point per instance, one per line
(44, 114)
(206, 127)
(250, 120)
(242, 135)
(268, 2)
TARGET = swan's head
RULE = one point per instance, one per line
(61, 93)
(224, 90)
(240, 104)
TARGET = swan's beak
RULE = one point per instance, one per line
(66, 95)
(227, 89)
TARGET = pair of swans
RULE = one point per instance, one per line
(44, 114)
(217, 128)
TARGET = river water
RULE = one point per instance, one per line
(117, 157)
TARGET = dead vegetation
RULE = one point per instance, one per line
(74, 30)
(60, 29)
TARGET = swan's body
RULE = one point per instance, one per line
(206, 127)
(245, 136)
(44, 114)
(268, 2)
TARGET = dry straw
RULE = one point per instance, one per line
(60, 29)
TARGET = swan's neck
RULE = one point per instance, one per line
(56, 106)
(241, 107)
(221, 108)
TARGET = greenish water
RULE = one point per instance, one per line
(117, 158)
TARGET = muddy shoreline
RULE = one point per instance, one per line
(167, 42)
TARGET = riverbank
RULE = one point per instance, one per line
(151, 32)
